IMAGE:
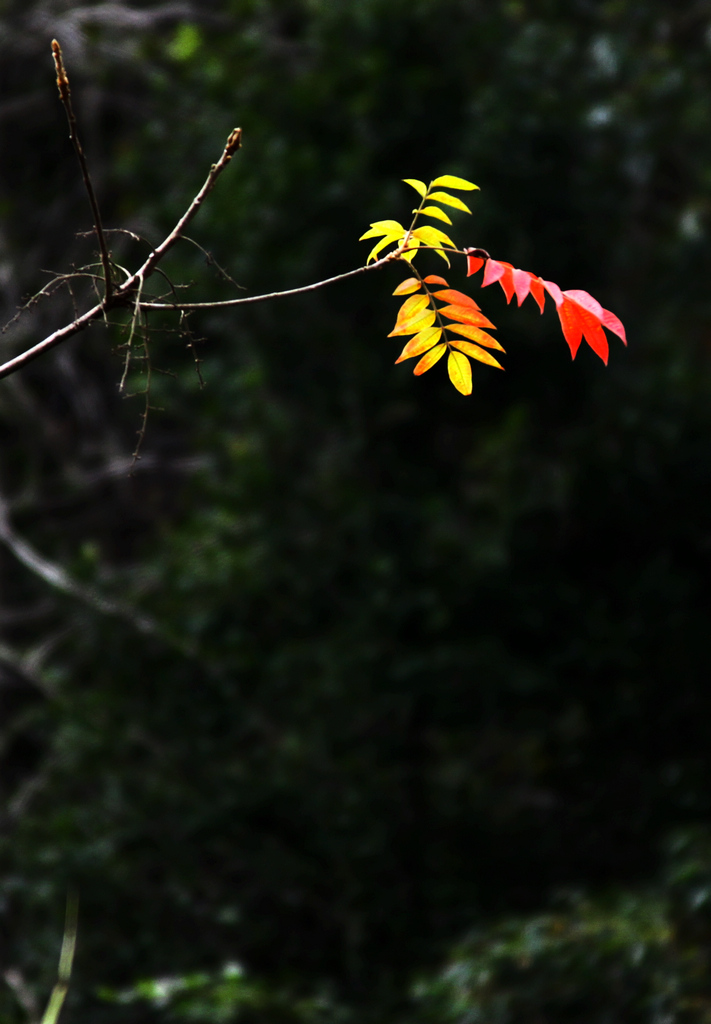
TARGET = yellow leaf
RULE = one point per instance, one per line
(419, 186)
(429, 359)
(451, 181)
(411, 309)
(422, 320)
(413, 246)
(420, 343)
(433, 236)
(476, 353)
(475, 334)
(383, 227)
(444, 197)
(382, 244)
(410, 284)
(434, 211)
(460, 372)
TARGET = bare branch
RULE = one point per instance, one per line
(66, 97)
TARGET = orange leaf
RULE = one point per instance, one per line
(474, 334)
(436, 279)
(420, 343)
(458, 298)
(429, 359)
(477, 353)
(465, 315)
(460, 372)
(410, 284)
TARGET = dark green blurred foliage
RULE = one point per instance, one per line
(420, 662)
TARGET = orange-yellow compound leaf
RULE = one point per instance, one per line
(444, 197)
(420, 343)
(434, 211)
(452, 181)
(460, 372)
(476, 353)
(436, 279)
(429, 359)
(466, 315)
(424, 319)
(458, 298)
(475, 334)
(410, 284)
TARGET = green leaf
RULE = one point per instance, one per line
(444, 197)
(451, 181)
(419, 186)
(420, 343)
(434, 211)
(429, 359)
(460, 372)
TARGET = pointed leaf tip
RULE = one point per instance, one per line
(452, 181)
(419, 186)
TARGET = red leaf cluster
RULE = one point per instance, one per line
(581, 316)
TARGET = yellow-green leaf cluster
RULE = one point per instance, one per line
(410, 240)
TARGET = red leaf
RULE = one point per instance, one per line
(586, 300)
(501, 272)
(521, 283)
(537, 291)
(610, 321)
(554, 291)
(474, 263)
(458, 298)
(570, 314)
(594, 334)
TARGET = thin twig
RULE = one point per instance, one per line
(234, 141)
(66, 98)
(224, 303)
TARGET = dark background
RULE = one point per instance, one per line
(425, 680)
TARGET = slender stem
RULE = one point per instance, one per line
(185, 306)
(66, 98)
